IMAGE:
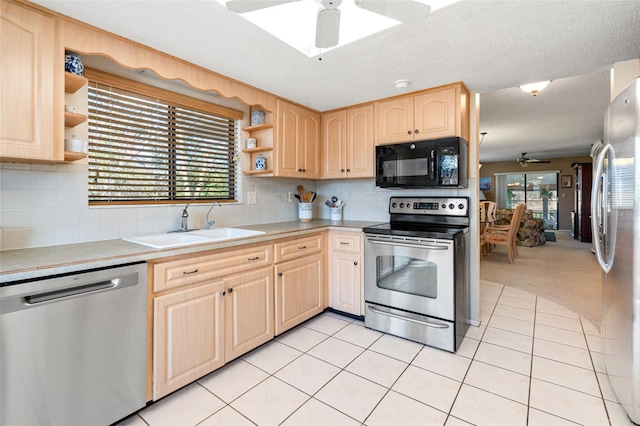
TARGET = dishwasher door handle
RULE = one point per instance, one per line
(34, 299)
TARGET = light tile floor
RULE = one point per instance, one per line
(531, 362)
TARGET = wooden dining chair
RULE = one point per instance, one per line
(507, 234)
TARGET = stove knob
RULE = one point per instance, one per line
(402, 205)
(394, 205)
(461, 206)
(408, 206)
(444, 206)
(451, 206)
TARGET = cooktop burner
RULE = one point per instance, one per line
(425, 217)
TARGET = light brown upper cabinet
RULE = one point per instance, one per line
(297, 142)
(32, 86)
(435, 113)
(347, 137)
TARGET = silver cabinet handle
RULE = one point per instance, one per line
(389, 314)
(405, 244)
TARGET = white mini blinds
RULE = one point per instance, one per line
(144, 149)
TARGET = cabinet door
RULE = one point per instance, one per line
(32, 86)
(345, 282)
(435, 114)
(248, 311)
(334, 134)
(359, 142)
(309, 145)
(287, 131)
(188, 336)
(395, 121)
(298, 291)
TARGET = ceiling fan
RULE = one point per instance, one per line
(524, 161)
(328, 22)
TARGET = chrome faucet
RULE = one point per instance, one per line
(184, 226)
(209, 223)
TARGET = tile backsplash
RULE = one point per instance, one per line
(44, 205)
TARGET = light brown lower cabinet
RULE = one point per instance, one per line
(188, 336)
(298, 291)
(199, 329)
(346, 272)
(248, 311)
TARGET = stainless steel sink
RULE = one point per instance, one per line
(178, 239)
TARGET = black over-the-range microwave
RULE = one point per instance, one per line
(436, 163)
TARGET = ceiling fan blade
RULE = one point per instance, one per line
(405, 11)
(328, 28)
(245, 6)
(538, 161)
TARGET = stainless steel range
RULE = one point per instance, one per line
(416, 271)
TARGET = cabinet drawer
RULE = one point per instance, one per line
(346, 241)
(183, 272)
(299, 247)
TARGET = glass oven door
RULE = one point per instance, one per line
(411, 274)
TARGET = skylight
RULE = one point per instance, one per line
(295, 23)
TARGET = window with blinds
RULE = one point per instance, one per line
(145, 149)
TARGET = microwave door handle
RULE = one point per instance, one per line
(433, 164)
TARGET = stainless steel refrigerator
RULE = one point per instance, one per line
(615, 215)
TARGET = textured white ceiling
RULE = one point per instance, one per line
(492, 46)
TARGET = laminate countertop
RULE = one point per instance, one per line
(38, 262)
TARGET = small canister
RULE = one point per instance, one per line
(257, 117)
(251, 143)
(261, 162)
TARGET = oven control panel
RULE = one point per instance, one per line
(435, 206)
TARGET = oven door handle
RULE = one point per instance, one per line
(389, 314)
(405, 244)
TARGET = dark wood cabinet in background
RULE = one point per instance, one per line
(582, 217)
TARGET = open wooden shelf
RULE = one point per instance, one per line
(256, 172)
(73, 82)
(74, 156)
(257, 127)
(257, 149)
(72, 119)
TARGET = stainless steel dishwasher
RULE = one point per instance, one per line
(74, 347)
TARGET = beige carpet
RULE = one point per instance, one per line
(565, 272)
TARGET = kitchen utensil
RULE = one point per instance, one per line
(313, 197)
(328, 203)
(297, 197)
(300, 190)
(334, 199)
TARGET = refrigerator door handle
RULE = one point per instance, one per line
(599, 196)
